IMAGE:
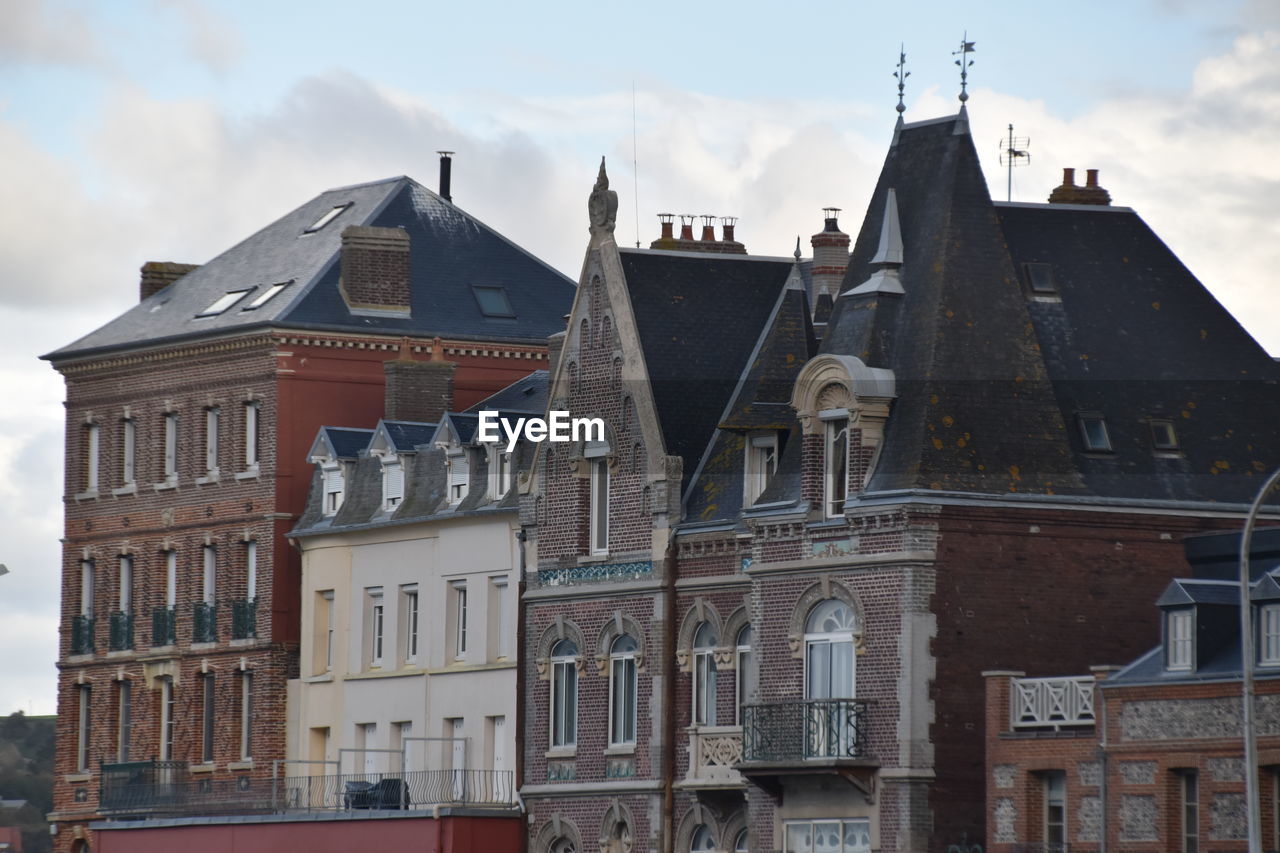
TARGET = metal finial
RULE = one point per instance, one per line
(965, 63)
(902, 76)
(797, 252)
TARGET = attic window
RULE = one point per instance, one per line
(1163, 436)
(1179, 639)
(1040, 278)
(1093, 428)
(223, 302)
(326, 219)
(1269, 635)
(266, 296)
(493, 301)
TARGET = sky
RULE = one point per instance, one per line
(171, 129)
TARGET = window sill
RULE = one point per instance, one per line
(251, 474)
(131, 489)
(246, 641)
(195, 647)
(171, 483)
(206, 767)
(91, 495)
(562, 752)
(322, 678)
(209, 477)
(621, 749)
(121, 653)
(246, 764)
(81, 658)
(594, 557)
(75, 778)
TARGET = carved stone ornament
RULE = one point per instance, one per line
(579, 664)
(682, 660)
(639, 661)
(795, 641)
(542, 664)
(602, 205)
(723, 657)
(602, 664)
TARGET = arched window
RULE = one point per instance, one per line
(622, 691)
(702, 839)
(837, 466)
(829, 678)
(562, 845)
(704, 676)
(564, 694)
(740, 842)
(744, 669)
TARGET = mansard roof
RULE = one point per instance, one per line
(401, 436)
(340, 442)
(451, 252)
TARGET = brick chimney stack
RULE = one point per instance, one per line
(686, 226)
(1069, 193)
(418, 390)
(375, 270)
(157, 275)
(830, 255)
(708, 242)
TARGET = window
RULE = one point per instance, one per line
(459, 476)
(376, 625)
(326, 218)
(251, 570)
(762, 462)
(1269, 639)
(246, 715)
(85, 696)
(252, 410)
(827, 836)
(410, 623)
(499, 473)
(223, 302)
(366, 737)
(704, 675)
(836, 487)
(86, 588)
(211, 416)
(1180, 639)
(745, 670)
(459, 620)
(622, 691)
(1093, 428)
(171, 446)
(392, 483)
(128, 448)
(126, 584)
(500, 617)
(740, 842)
(171, 578)
(266, 296)
(92, 436)
(333, 488)
(166, 719)
(206, 718)
(124, 719)
(564, 694)
(702, 839)
(493, 301)
(1040, 278)
(210, 579)
(831, 729)
(599, 501)
(1190, 812)
(1163, 435)
(1055, 811)
(324, 621)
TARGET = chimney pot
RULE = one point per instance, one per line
(1068, 177)
(666, 219)
(709, 227)
(728, 223)
(446, 170)
(830, 217)
(686, 226)
(1091, 178)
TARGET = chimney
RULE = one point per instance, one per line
(555, 345)
(708, 228)
(157, 275)
(830, 256)
(418, 390)
(667, 240)
(1090, 193)
(727, 223)
(686, 226)
(446, 172)
(375, 270)
(1091, 177)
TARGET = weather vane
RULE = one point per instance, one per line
(965, 63)
(902, 76)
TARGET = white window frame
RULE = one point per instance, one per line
(246, 715)
(1269, 635)
(167, 709)
(459, 470)
(125, 600)
(623, 693)
(171, 578)
(124, 718)
(93, 457)
(392, 482)
(86, 588)
(1180, 639)
(212, 417)
(1189, 824)
(501, 614)
(705, 687)
(499, 473)
(563, 717)
(84, 694)
(459, 596)
(835, 495)
(209, 575)
(251, 570)
(252, 413)
(128, 451)
(412, 615)
(327, 596)
(377, 626)
(1054, 784)
(760, 465)
(170, 460)
(789, 825)
(596, 454)
(743, 667)
(208, 713)
(334, 486)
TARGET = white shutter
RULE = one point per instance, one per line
(459, 476)
(392, 484)
(332, 489)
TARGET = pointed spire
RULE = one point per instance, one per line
(795, 280)
(888, 256)
(797, 251)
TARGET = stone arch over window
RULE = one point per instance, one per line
(811, 598)
(734, 828)
(558, 835)
(692, 824)
(842, 383)
(617, 830)
(701, 611)
(733, 626)
(617, 625)
(606, 331)
(560, 629)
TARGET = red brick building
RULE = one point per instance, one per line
(756, 613)
(189, 418)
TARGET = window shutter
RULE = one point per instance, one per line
(333, 480)
(393, 482)
(459, 475)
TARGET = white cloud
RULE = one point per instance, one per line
(211, 37)
(34, 31)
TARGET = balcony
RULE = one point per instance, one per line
(714, 753)
(81, 635)
(163, 626)
(1052, 703)
(204, 622)
(803, 738)
(163, 789)
(244, 619)
(120, 633)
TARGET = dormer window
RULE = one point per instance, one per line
(499, 473)
(333, 488)
(761, 464)
(392, 483)
(836, 465)
(459, 476)
(597, 456)
(1269, 635)
(1093, 429)
(1179, 639)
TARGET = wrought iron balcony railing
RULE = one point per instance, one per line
(803, 731)
(204, 622)
(244, 619)
(120, 633)
(1052, 702)
(164, 626)
(81, 635)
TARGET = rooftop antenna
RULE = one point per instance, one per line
(902, 74)
(965, 63)
(1013, 152)
(635, 163)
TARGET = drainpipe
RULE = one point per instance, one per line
(1101, 699)
(522, 537)
(669, 698)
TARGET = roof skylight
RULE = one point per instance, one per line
(493, 301)
(223, 302)
(327, 218)
(266, 296)
(1040, 278)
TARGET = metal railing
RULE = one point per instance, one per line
(1052, 702)
(204, 622)
(154, 789)
(164, 622)
(120, 633)
(797, 731)
(81, 635)
(244, 619)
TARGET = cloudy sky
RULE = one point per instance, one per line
(169, 129)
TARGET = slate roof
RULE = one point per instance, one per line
(1184, 591)
(346, 442)
(527, 395)
(450, 251)
(407, 435)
